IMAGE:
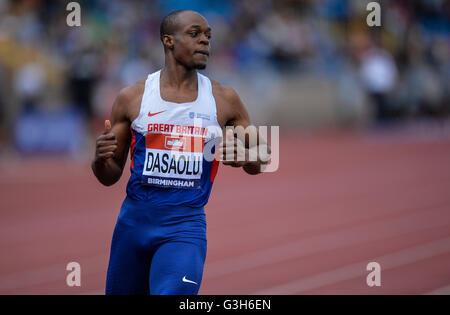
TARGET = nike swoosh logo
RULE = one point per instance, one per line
(189, 281)
(150, 114)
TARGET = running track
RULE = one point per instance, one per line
(339, 201)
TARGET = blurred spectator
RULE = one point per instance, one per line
(378, 73)
(256, 42)
(29, 82)
(82, 79)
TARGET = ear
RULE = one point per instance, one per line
(168, 41)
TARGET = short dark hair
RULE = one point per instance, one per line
(168, 23)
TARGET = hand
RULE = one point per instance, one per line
(232, 152)
(106, 144)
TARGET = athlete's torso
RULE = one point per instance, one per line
(172, 146)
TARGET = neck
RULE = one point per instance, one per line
(176, 75)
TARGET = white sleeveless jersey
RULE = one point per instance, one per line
(172, 147)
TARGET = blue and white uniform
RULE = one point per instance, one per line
(159, 242)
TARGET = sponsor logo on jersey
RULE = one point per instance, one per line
(174, 142)
(154, 114)
(192, 115)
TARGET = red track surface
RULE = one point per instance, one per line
(338, 202)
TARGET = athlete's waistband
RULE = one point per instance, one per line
(145, 205)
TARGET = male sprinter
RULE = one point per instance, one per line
(159, 242)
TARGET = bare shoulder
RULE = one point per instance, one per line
(224, 93)
(129, 100)
(132, 92)
(230, 109)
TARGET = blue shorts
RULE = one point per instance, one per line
(157, 250)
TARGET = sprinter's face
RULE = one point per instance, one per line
(190, 42)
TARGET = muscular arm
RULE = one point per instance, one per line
(233, 113)
(113, 145)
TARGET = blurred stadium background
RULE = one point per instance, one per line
(364, 152)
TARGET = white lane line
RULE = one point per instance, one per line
(304, 247)
(356, 270)
(379, 230)
(440, 291)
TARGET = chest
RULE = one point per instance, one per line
(173, 95)
(223, 113)
(195, 118)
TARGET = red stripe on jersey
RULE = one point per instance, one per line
(214, 169)
(132, 145)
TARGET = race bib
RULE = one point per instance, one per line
(173, 161)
